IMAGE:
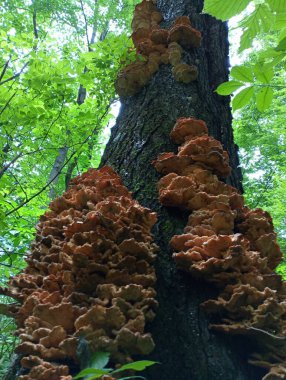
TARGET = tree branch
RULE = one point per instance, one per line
(8, 102)
(16, 75)
(4, 69)
(36, 34)
(58, 173)
(69, 172)
(7, 166)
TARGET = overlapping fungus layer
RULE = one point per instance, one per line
(89, 275)
(227, 244)
(156, 46)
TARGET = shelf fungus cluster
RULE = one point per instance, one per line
(227, 244)
(156, 46)
(90, 276)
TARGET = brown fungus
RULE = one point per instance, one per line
(90, 274)
(183, 33)
(155, 46)
(226, 244)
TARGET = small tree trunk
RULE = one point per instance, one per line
(54, 174)
(185, 347)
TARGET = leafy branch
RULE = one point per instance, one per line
(15, 76)
(98, 368)
(260, 17)
(58, 172)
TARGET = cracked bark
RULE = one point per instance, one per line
(185, 347)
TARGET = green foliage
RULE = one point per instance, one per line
(101, 359)
(7, 338)
(262, 141)
(258, 78)
(242, 98)
(224, 10)
(229, 87)
(261, 17)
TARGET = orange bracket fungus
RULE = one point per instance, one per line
(90, 275)
(183, 33)
(156, 46)
(226, 243)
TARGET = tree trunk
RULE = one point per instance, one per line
(185, 347)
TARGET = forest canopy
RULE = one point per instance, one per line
(58, 63)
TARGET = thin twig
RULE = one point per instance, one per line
(58, 173)
(8, 102)
(16, 75)
(36, 34)
(4, 69)
(7, 166)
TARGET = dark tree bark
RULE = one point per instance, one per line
(185, 347)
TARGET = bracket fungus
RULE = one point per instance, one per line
(90, 275)
(227, 244)
(156, 46)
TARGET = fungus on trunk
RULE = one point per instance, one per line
(156, 46)
(90, 275)
(226, 244)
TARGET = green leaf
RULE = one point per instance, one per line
(274, 61)
(270, 57)
(136, 366)
(242, 73)
(260, 20)
(228, 88)
(282, 45)
(282, 34)
(277, 5)
(92, 371)
(266, 17)
(264, 98)
(263, 73)
(242, 98)
(225, 9)
(246, 40)
(280, 21)
(100, 359)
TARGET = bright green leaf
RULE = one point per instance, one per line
(266, 17)
(263, 74)
(225, 9)
(246, 40)
(261, 19)
(242, 98)
(96, 373)
(242, 73)
(282, 45)
(277, 5)
(280, 21)
(100, 359)
(264, 98)
(228, 88)
(136, 366)
(282, 34)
